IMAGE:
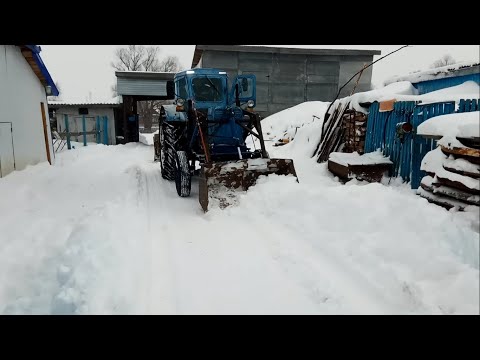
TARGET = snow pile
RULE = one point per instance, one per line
(355, 158)
(433, 160)
(460, 125)
(147, 138)
(301, 125)
(435, 73)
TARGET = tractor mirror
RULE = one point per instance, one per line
(245, 84)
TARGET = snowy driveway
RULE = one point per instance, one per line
(102, 233)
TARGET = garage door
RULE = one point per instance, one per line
(7, 160)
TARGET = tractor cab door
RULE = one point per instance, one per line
(243, 90)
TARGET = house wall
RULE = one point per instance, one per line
(72, 112)
(286, 80)
(21, 93)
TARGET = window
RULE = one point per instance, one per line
(208, 89)
(182, 88)
(82, 111)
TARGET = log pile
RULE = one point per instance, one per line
(343, 131)
(354, 130)
(456, 181)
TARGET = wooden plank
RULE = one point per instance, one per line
(475, 153)
(456, 185)
(464, 173)
(45, 132)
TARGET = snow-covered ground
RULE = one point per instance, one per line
(101, 232)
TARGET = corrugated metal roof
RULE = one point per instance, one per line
(84, 103)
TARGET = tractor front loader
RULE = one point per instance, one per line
(204, 133)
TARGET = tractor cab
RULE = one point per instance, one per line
(211, 93)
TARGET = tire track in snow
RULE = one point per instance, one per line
(327, 281)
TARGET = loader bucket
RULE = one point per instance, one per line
(220, 180)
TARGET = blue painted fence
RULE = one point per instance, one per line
(407, 153)
(101, 139)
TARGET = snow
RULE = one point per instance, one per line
(433, 160)
(405, 91)
(147, 138)
(355, 158)
(461, 165)
(462, 125)
(435, 73)
(112, 237)
(450, 142)
(77, 101)
(471, 183)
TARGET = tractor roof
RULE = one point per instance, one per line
(201, 71)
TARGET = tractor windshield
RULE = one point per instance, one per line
(208, 89)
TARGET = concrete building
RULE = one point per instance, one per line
(25, 83)
(289, 76)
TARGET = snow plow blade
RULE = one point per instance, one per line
(220, 180)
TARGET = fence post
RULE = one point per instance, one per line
(98, 129)
(84, 126)
(105, 130)
(69, 146)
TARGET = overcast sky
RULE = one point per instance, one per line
(85, 70)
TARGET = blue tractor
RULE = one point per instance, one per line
(205, 131)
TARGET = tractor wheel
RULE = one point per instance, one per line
(183, 177)
(167, 155)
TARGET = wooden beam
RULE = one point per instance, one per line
(45, 132)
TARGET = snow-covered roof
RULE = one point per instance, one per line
(404, 91)
(458, 69)
(114, 101)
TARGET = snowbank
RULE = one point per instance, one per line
(301, 125)
(146, 138)
(462, 125)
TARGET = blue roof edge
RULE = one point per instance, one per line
(36, 55)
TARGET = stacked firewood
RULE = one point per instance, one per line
(455, 181)
(354, 127)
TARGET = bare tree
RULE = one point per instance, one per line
(141, 58)
(170, 64)
(445, 60)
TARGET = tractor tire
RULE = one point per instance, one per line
(167, 154)
(183, 177)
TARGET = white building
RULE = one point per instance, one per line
(99, 116)
(25, 136)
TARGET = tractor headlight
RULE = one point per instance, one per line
(180, 102)
(251, 103)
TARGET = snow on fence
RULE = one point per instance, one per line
(406, 149)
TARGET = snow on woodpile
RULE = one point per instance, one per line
(461, 125)
(461, 165)
(146, 138)
(433, 160)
